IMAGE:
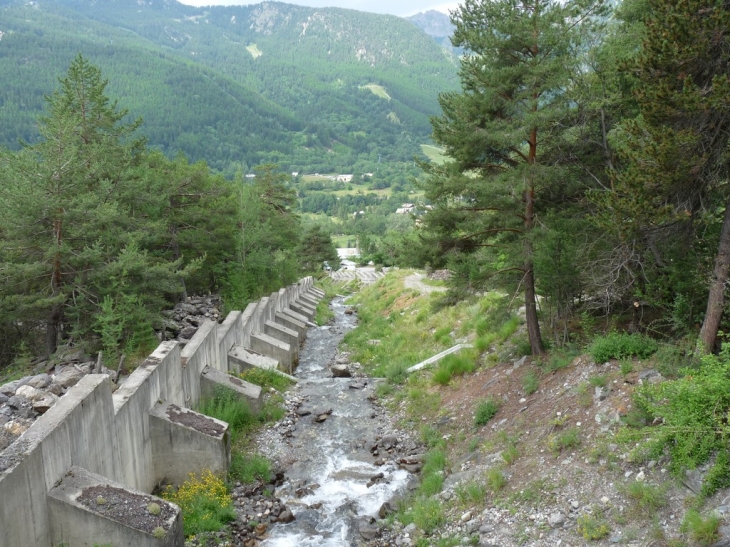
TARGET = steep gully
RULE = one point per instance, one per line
(340, 450)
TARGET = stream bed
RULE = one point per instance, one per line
(343, 456)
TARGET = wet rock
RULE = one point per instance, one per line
(340, 371)
(368, 531)
(286, 516)
(3, 398)
(358, 385)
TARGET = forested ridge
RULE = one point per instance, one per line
(235, 86)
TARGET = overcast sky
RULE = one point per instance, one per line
(394, 7)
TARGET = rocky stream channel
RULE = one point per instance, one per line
(342, 461)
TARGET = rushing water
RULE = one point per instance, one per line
(327, 488)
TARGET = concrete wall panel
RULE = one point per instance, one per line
(230, 333)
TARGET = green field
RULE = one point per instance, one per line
(378, 90)
(254, 51)
(434, 153)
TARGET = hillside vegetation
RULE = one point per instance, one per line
(235, 86)
(588, 443)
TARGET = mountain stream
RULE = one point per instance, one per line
(340, 454)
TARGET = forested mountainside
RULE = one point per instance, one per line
(319, 89)
(437, 25)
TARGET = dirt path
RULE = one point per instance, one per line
(414, 282)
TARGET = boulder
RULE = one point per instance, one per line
(28, 392)
(40, 381)
(44, 403)
(68, 377)
(340, 371)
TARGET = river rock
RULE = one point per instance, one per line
(3, 398)
(286, 516)
(368, 531)
(340, 371)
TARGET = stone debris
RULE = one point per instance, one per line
(182, 322)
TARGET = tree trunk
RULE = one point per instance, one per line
(54, 318)
(716, 298)
(533, 325)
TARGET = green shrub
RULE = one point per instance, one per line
(702, 530)
(570, 438)
(443, 336)
(598, 381)
(431, 437)
(434, 462)
(622, 346)
(510, 454)
(495, 479)
(453, 365)
(248, 468)
(694, 412)
(266, 379)
(471, 493)
(592, 528)
(486, 410)
(205, 503)
(225, 405)
(559, 360)
(646, 497)
(530, 383)
(426, 513)
(431, 485)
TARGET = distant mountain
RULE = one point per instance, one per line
(236, 86)
(437, 25)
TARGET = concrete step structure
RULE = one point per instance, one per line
(81, 512)
(144, 432)
(212, 380)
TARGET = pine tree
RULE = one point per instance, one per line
(675, 150)
(68, 241)
(501, 131)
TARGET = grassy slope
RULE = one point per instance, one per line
(538, 416)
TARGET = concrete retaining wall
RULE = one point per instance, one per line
(110, 434)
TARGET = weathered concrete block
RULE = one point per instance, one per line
(281, 351)
(319, 293)
(303, 309)
(89, 509)
(294, 315)
(212, 380)
(284, 334)
(291, 323)
(185, 441)
(240, 359)
(309, 301)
